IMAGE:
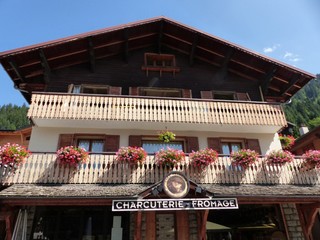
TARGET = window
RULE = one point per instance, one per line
(153, 146)
(228, 147)
(160, 92)
(160, 63)
(91, 145)
(89, 88)
(224, 95)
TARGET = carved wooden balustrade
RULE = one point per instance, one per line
(147, 109)
(43, 168)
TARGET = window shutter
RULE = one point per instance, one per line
(215, 144)
(192, 144)
(70, 88)
(111, 143)
(65, 140)
(115, 90)
(243, 96)
(186, 93)
(253, 144)
(206, 95)
(134, 91)
(135, 141)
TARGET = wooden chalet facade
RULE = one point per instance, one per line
(118, 87)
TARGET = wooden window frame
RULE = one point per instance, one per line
(161, 92)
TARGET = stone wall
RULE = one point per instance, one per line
(293, 221)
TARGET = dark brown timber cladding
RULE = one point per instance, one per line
(116, 72)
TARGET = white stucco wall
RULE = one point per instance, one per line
(46, 139)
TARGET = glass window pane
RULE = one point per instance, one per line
(84, 144)
(97, 146)
(152, 147)
(76, 89)
(225, 148)
(235, 147)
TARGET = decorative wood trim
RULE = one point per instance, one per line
(308, 213)
(137, 229)
(151, 225)
(182, 225)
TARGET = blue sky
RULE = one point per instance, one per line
(286, 30)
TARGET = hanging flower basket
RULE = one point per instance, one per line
(203, 157)
(166, 136)
(169, 157)
(244, 158)
(13, 154)
(279, 157)
(287, 141)
(312, 159)
(131, 155)
(72, 156)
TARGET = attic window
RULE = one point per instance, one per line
(160, 63)
(160, 92)
(89, 88)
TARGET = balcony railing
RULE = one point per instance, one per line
(128, 108)
(43, 168)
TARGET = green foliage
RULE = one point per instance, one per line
(305, 105)
(13, 117)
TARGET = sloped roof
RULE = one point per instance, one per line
(29, 64)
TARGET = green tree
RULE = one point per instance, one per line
(13, 117)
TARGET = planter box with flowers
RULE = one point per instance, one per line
(72, 156)
(131, 155)
(311, 159)
(244, 158)
(287, 141)
(169, 157)
(203, 157)
(279, 157)
(13, 155)
(275, 161)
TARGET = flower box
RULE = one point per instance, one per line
(279, 157)
(203, 157)
(312, 158)
(72, 156)
(13, 154)
(169, 157)
(244, 158)
(131, 155)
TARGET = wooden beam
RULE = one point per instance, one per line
(267, 80)
(228, 58)
(126, 44)
(45, 66)
(308, 212)
(193, 48)
(150, 225)
(160, 37)
(92, 58)
(292, 83)
(137, 229)
(182, 225)
(202, 223)
(16, 70)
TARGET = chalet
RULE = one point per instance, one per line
(120, 86)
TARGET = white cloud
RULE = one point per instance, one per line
(291, 57)
(271, 49)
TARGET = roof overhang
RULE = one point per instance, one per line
(32, 65)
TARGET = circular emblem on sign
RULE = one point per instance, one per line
(175, 185)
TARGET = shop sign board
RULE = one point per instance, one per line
(174, 204)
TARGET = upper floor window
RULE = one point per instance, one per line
(94, 89)
(225, 95)
(160, 92)
(154, 146)
(228, 147)
(92, 145)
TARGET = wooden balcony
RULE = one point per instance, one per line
(50, 108)
(43, 168)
